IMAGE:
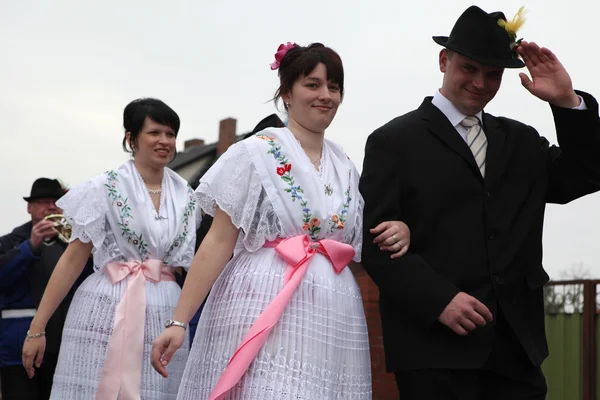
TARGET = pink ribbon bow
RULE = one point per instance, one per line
(122, 371)
(297, 251)
(281, 51)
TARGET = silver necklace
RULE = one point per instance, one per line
(328, 187)
(157, 217)
(311, 161)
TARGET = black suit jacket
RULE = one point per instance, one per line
(470, 234)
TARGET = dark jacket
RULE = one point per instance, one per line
(480, 236)
(23, 279)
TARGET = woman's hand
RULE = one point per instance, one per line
(165, 346)
(392, 236)
(33, 351)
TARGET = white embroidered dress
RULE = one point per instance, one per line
(115, 213)
(319, 349)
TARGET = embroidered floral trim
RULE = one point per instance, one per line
(339, 221)
(189, 211)
(312, 225)
(125, 215)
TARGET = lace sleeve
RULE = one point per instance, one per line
(354, 235)
(233, 184)
(85, 209)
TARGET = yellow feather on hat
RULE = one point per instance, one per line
(513, 26)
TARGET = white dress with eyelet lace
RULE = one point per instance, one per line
(115, 213)
(319, 349)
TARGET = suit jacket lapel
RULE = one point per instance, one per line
(441, 127)
(496, 142)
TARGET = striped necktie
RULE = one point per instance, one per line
(476, 140)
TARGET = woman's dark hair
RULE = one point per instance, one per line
(136, 112)
(301, 61)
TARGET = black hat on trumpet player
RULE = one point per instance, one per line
(45, 188)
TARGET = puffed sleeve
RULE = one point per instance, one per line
(234, 185)
(85, 209)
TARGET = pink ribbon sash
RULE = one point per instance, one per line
(297, 251)
(122, 371)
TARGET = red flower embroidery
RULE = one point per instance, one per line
(282, 170)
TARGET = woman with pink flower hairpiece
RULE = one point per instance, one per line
(284, 318)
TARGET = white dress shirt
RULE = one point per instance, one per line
(455, 117)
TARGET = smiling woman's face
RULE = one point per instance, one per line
(313, 100)
(155, 144)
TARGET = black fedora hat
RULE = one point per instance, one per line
(45, 188)
(478, 36)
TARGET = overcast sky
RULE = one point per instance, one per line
(69, 68)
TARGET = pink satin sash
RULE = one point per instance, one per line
(122, 371)
(297, 251)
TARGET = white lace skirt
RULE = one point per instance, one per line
(318, 350)
(88, 329)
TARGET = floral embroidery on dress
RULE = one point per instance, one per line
(339, 221)
(125, 215)
(189, 211)
(312, 225)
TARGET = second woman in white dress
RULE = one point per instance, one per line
(139, 221)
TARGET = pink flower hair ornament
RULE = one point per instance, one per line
(281, 52)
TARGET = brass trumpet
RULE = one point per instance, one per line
(61, 226)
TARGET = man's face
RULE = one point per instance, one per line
(42, 207)
(468, 84)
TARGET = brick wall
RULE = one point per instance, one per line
(384, 384)
(227, 132)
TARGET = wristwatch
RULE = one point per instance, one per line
(170, 322)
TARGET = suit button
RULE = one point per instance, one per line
(491, 236)
(495, 278)
(488, 194)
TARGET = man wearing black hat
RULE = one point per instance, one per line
(462, 311)
(27, 258)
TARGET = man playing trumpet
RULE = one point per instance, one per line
(27, 258)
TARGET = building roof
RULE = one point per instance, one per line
(192, 154)
(205, 156)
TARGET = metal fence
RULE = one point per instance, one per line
(571, 318)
